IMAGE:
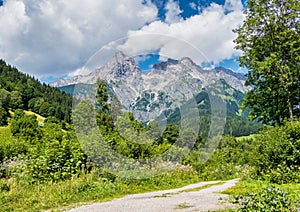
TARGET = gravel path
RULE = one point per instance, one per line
(169, 200)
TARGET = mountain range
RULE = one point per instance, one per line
(122, 68)
(165, 87)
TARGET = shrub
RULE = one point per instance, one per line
(268, 199)
(278, 153)
(24, 126)
(56, 160)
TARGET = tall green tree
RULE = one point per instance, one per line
(115, 108)
(84, 117)
(4, 98)
(4, 103)
(103, 116)
(270, 42)
(3, 116)
(16, 100)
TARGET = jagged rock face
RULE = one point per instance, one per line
(168, 84)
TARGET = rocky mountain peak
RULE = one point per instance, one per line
(168, 83)
(239, 76)
(125, 67)
(120, 56)
(164, 65)
(187, 61)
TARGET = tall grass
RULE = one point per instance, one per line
(16, 194)
(5, 136)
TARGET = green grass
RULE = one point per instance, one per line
(245, 186)
(254, 186)
(19, 195)
(5, 135)
(40, 118)
(249, 185)
(190, 190)
(252, 136)
(202, 187)
(183, 205)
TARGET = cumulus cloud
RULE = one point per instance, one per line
(50, 37)
(173, 12)
(206, 37)
(56, 37)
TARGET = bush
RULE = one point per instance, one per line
(268, 199)
(278, 153)
(57, 157)
(24, 126)
(232, 158)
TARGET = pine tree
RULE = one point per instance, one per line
(103, 116)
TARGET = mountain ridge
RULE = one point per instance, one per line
(160, 93)
(123, 68)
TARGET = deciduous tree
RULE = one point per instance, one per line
(270, 42)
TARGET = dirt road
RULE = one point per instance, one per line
(188, 198)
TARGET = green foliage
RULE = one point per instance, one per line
(269, 39)
(11, 150)
(45, 110)
(15, 100)
(232, 158)
(4, 106)
(3, 116)
(175, 154)
(278, 153)
(115, 108)
(84, 117)
(268, 199)
(56, 161)
(51, 120)
(4, 98)
(41, 153)
(272, 155)
(170, 134)
(20, 91)
(239, 126)
(24, 126)
(16, 194)
(103, 116)
(57, 156)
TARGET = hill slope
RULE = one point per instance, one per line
(21, 91)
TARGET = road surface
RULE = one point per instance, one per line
(181, 199)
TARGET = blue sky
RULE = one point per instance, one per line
(189, 9)
(51, 39)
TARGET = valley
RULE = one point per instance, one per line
(179, 122)
(150, 105)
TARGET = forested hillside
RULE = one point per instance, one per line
(21, 91)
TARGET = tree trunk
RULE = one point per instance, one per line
(290, 108)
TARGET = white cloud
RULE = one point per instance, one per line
(206, 37)
(54, 37)
(173, 12)
(193, 5)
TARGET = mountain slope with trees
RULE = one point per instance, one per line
(21, 91)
